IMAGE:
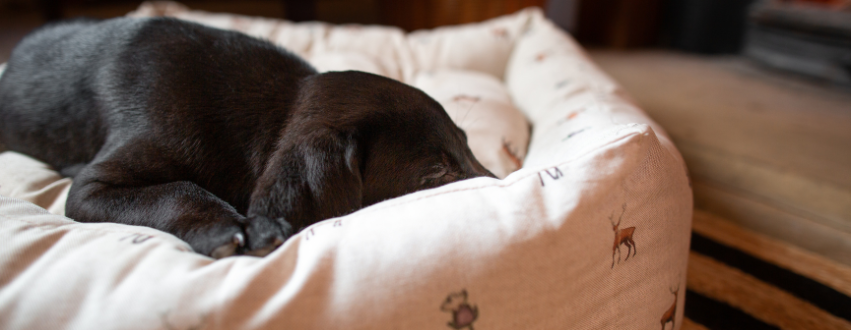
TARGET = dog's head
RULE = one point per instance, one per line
(406, 141)
(358, 138)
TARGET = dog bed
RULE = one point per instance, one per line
(552, 244)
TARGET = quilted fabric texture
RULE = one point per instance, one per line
(591, 232)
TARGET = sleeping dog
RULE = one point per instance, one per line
(223, 140)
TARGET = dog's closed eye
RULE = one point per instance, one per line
(437, 171)
(438, 174)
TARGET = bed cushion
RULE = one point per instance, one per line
(534, 250)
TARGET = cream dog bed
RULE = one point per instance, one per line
(534, 250)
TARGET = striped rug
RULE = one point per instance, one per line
(738, 279)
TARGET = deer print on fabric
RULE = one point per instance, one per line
(574, 133)
(466, 99)
(671, 313)
(506, 148)
(540, 57)
(622, 237)
(463, 314)
(501, 33)
(546, 54)
(572, 115)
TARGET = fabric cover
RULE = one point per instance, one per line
(534, 250)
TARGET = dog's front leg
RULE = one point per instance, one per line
(182, 208)
(311, 178)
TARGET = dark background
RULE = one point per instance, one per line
(706, 26)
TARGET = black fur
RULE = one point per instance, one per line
(221, 139)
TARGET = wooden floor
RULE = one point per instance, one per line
(769, 151)
(740, 279)
(15, 23)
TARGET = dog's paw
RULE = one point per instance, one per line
(218, 240)
(228, 249)
(265, 235)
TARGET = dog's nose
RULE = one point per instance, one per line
(484, 171)
(479, 170)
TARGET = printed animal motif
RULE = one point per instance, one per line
(239, 24)
(463, 314)
(506, 147)
(568, 118)
(671, 313)
(622, 236)
(572, 134)
(465, 98)
(500, 32)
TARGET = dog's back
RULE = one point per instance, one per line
(109, 79)
(53, 122)
(152, 83)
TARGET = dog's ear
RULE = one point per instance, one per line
(310, 177)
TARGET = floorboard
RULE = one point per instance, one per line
(767, 150)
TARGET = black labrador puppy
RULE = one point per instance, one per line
(226, 141)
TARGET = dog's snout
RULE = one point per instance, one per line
(483, 172)
(476, 169)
